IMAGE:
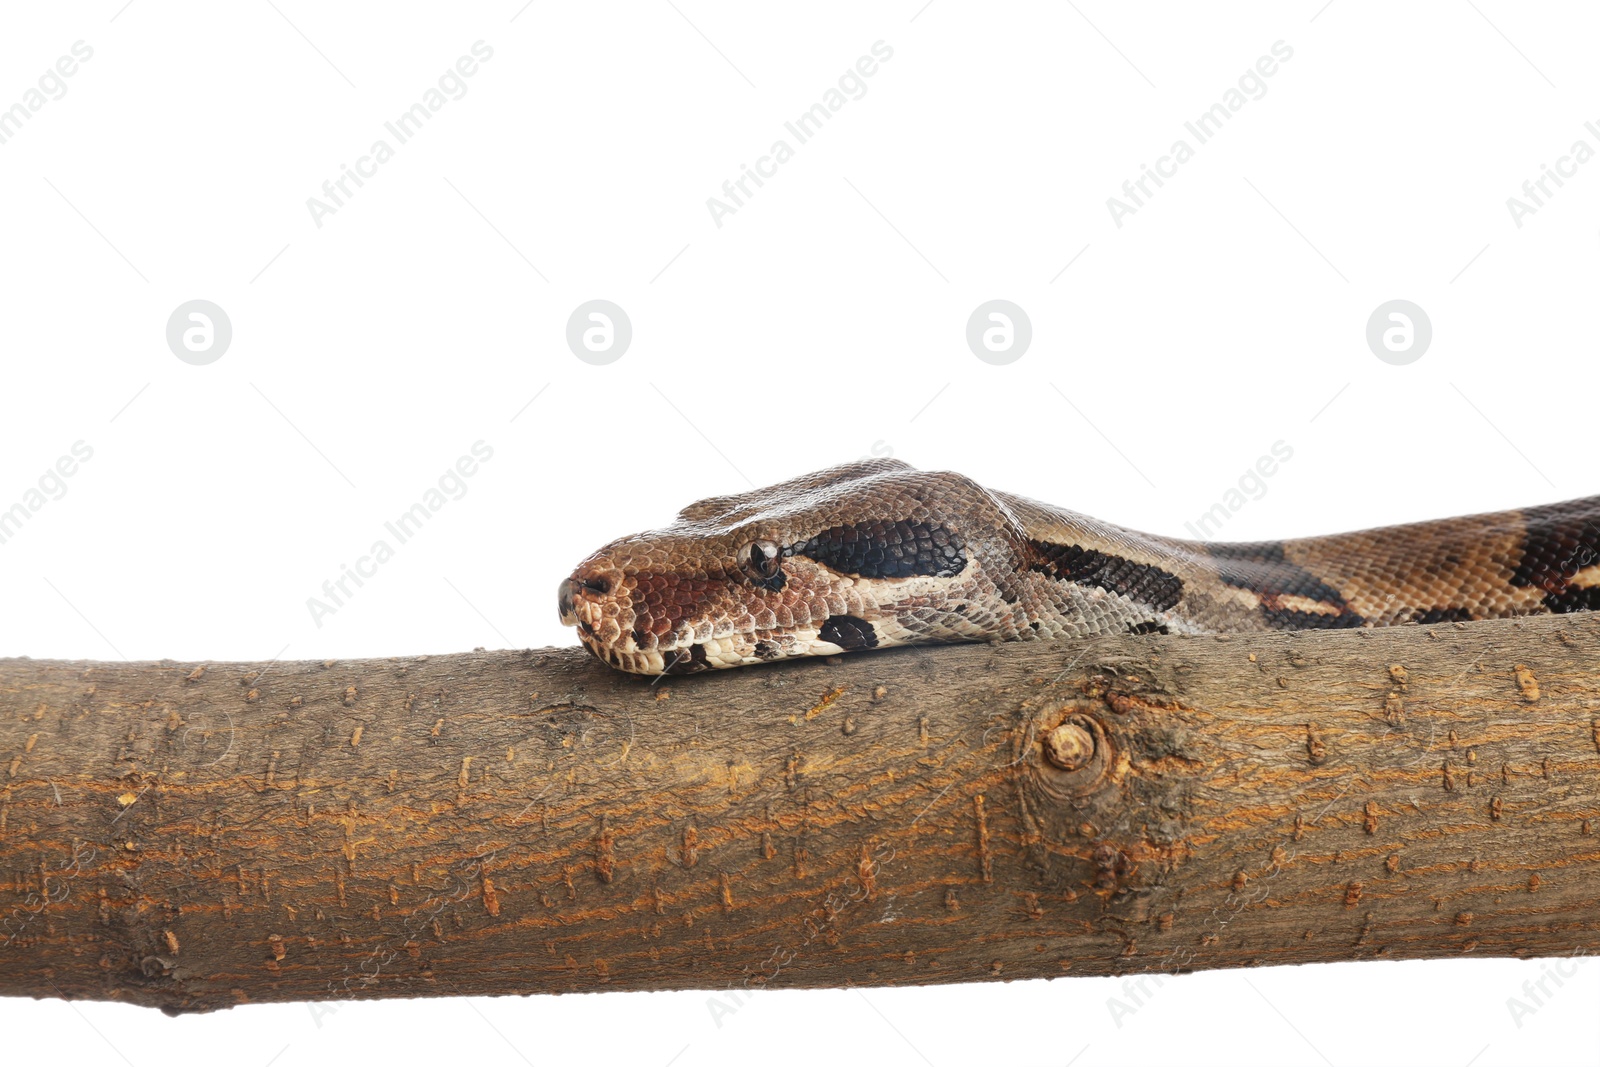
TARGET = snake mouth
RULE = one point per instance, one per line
(693, 653)
(580, 589)
(569, 616)
(687, 659)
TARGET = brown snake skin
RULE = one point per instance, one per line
(875, 553)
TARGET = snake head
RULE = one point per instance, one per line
(864, 555)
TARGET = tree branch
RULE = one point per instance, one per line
(192, 836)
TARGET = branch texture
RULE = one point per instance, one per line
(193, 836)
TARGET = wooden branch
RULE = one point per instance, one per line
(192, 836)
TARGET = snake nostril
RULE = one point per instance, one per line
(597, 586)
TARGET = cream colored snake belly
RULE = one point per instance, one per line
(876, 554)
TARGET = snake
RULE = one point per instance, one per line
(876, 554)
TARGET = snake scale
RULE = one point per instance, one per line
(876, 553)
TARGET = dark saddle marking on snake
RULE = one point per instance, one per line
(1561, 542)
(1145, 582)
(885, 549)
(1292, 598)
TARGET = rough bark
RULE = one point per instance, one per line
(193, 836)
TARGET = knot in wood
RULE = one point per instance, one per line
(1069, 746)
(1072, 756)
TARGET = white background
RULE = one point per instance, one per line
(822, 322)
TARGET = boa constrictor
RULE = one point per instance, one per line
(876, 553)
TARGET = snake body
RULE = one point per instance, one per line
(875, 554)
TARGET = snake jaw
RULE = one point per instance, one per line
(564, 602)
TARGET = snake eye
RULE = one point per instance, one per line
(760, 561)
